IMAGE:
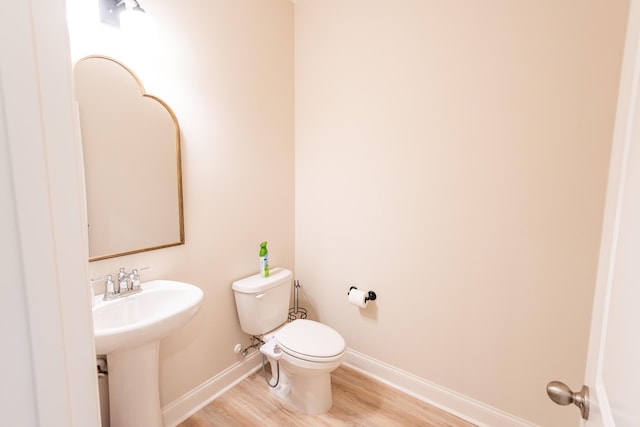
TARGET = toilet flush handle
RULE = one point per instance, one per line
(259, 296)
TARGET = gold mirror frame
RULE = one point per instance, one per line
(116, 151)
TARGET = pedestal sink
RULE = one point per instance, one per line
(128, 330)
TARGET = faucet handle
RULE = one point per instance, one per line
(109, 288)
(134, 277)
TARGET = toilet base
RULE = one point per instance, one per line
(303, 394)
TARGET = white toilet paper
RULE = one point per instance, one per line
(357, 297)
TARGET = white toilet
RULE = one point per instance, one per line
(304, 352)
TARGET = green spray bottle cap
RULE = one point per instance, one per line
(263, 248)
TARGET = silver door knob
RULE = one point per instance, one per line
(560, 393)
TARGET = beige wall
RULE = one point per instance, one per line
(226, 69)
(452, 156)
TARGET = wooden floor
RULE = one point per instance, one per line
(357, 401)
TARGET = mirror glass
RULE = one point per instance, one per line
(131, 149)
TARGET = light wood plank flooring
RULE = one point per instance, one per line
(357, 401)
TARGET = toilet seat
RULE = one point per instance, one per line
(312, 341)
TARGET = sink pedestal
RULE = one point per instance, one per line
(134, 395)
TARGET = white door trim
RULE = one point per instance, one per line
(627, 118)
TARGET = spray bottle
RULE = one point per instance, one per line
(264, 260)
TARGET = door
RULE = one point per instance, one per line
(613, 362)
(50, 362)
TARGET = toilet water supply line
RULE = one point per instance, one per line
(264, 372)
(255, 342)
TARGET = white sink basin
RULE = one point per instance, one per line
(162, 307)
(128, 330)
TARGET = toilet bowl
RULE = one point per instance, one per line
(302, 354)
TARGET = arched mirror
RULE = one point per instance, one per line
(131, 149)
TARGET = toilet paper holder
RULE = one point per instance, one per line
(371, 296)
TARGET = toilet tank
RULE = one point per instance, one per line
(263, 302)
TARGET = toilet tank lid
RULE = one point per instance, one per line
(256, 283)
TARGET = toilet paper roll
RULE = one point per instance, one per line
(357, 297)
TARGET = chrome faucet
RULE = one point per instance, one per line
(127, 283)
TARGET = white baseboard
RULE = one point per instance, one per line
(455, 403)
(190, 403)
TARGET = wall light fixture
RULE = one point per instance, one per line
(112, 11)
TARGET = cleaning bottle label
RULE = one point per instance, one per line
(264, 260)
